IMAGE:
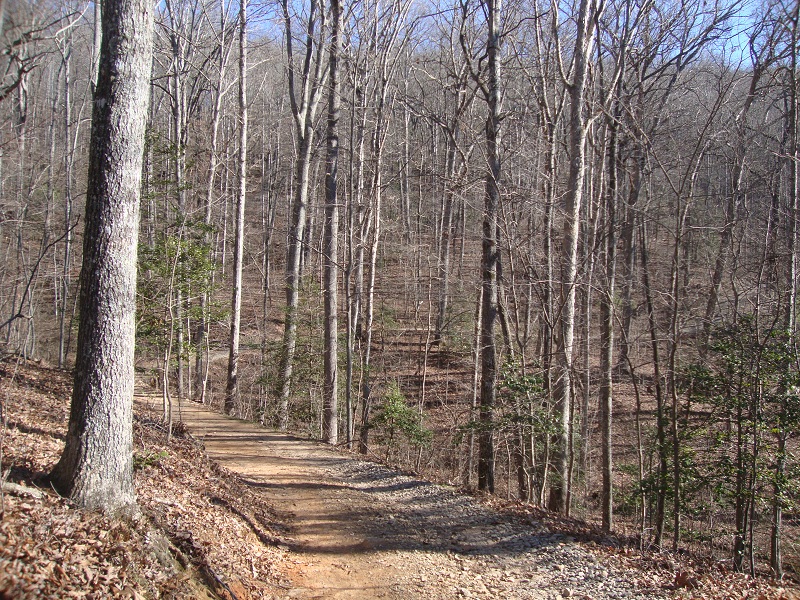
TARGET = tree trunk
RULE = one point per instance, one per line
(607, 323)
(304, 104)
(330, 428)
(97, 40)
(444, 241)
(295, 251)
(376, 193)
(627, 233)
(476, 371)
(201, 330)
(96, 467)
(490, 262)
(790, 316)
(232, 399)
(569, 269)
(385, 64)
(69, 162)
(661, 424)
(179, 123)
(355, 251)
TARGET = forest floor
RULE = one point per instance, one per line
(232, 510)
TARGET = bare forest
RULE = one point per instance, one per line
(548, 251)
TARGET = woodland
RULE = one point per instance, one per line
(548, 251)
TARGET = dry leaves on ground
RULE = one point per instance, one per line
(201, 532)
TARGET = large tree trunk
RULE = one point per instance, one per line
(96, 467)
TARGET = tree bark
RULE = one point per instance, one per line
(330, 429)
(218, 92)
(69, 163)
(661, 423)
(490, 262)
(607, 323)
(790, 315)
(304, 105)
(232, 399)
(96, 467)
(569, 269)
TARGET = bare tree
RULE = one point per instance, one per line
(588, 12)
(232, 389)
(219, 89)
(490, 255)
(306, 82)
(330, 426)
(389, 35)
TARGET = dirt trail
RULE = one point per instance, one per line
(359, 530)
(325, 517)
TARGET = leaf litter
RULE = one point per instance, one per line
(200, 533)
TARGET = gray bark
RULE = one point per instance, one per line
(354, 276)
(330, 427)
(304, 104)
(96, 467)
(232, 389)
(218, 91)
(69, 161)
(569, 252)
(490, 262)
(97, 41)
(607, 315)
(385, 66)
(373, 226)
(661, 436)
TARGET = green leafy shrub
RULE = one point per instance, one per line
(395, 419)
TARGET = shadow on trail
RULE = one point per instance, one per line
(337, 504)
(278, 485)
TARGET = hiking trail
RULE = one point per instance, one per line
(357, 529)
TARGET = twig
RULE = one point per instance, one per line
(29, 282)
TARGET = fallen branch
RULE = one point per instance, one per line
(17, 489)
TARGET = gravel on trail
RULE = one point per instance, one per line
(455, 547)
(357, 529)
